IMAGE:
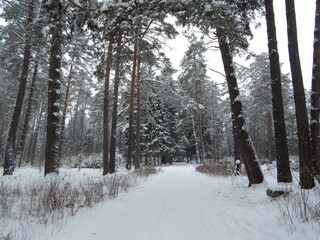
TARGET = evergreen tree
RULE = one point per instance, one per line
(9, 157)
(315, 95)
(283, 167)
(305, 159)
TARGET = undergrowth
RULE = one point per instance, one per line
(215, 169)
(55, 198)
(300, 206)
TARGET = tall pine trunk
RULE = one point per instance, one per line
(53, 115)
(9, 155)
(25, 128)
(315, 95)
(236, 145)
(64, 112)
(282, 156)
(248, 153)
(105, 147)
(35, 132)
(305, 160)
(137, 159)
(131, 105)
(113, 138)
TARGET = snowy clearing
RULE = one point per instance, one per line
(180, 203)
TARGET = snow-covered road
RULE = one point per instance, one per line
(181, 204)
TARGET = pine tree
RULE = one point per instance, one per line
(192, 80)
(10, 151)
(305, 160)
(283, 167)
(246, 147)
(315, 95)
(55, 11)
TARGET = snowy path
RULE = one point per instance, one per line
(182, 204)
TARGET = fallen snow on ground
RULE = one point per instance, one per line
(181, 204)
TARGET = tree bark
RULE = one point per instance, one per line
(106, 111)
(315, 95)
(137, 159)
(9, 155)
(113, 138)
(64, 113)
(131, 105)
(305, 160)
(28, 113)
(53, 115)
(282, 156)
(248, 153)
(236, 145)
(270, 137)
(199, 122)
(35, 133)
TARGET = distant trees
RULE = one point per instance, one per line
(192, 81)
(141, 112)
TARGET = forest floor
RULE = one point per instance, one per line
(181, 204)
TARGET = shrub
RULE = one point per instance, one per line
(215, 169)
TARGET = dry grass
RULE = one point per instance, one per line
(146, 171)
(215, 169)
(55, 199)
(300, 206)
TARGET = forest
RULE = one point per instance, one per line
(91, 80)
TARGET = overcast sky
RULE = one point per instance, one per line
(305, 12)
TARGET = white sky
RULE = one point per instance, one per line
(305, 12)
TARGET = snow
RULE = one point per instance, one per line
(180, 203)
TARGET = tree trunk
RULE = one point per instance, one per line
(269, 135)
(137, 159)
(113, 138)
(282, 156)
(199, 122)
(196, 141)
(131, 105)
(236, 145)
(106, 111)
(9, 155)
(64, 113)
(53, 114)
(28, 113)
(75, 119)
(305, 160)
(315, 95)
(35, 133)
(249, 156)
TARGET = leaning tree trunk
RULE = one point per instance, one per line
(9, 154)
(20, 151)
(106, 111)
(249, 156)
(113, 138)
(305, 160)
(131, 105)
(53, 115)
(315, 95)
(282, 156)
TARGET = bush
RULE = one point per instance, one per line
(215, 169)
(300, 206)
